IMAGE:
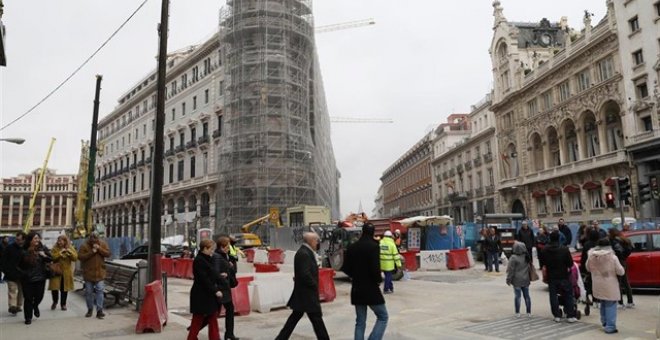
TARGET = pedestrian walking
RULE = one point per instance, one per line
(542, 240)
(226, 270)
(493, 250)
(581, 236)
(205, 293)
(526, 236)
(518, 276)
(10, 261)
(305, 296)
(604, 268)
(4, 244)
(590, 243)
(64, 256)
(622, 248)
(92, 257)
(362, 265)
(601, 232)
(566, 232)
(558, 262)
(389, 261)
(33, 275)
(483, 234)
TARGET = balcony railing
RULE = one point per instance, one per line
(490, 189)
(477, 161)
(452, 172)
(168, 153)
(179, 148)
(203, 140)
(459, 168)
(488, 157)
(140, 163)
(216, 133)
(132, 166)
(191, 144)
(478, 191)
(468, 165)
(148, 160)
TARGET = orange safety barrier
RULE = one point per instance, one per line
(249, 255)
(183, 268)
(327, 292)
(275, 255)
(240, 296)
(153, 315)
(265, 268)
(167, 265)
(458, 259)
(411, 260)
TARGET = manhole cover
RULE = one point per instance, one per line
(529, 328)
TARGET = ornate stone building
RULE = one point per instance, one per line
(406, 184)
(561, 117)
(464, 174)
(54, 207)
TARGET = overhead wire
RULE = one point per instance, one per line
(77, 69)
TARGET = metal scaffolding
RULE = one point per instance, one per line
(277, 150)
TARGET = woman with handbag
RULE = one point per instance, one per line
(64, 259)
(34, 272)
(518, 275)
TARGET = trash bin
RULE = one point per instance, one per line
(411, 260)
(327, 292)
(458, 259)
(275, 255)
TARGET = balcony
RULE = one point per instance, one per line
(140, 163)
(168, 153)
(217, 134)
(445, 175)
(488, 157)
(479, 191)
(179, 148)
(477, 161)
(490, 190)
(191, 144)
(132, 166)
(468, 165)
(459, 168)
(457, 196)
(203, 140)
(452, 172)
(580, 166)
(644, 137)
(148, 160)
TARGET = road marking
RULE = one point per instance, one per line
(529, 328)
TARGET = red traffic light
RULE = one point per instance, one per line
(609, 200)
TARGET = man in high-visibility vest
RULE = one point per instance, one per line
(389, 260)
(234, 252)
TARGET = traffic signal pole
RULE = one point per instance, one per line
(618, 195)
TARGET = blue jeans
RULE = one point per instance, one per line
(564, 287)
(94, 291)
(388, 285)
(516, 300)
(493, 258)
(608, 315)
(361, 321)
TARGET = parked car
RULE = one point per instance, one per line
(644, 261)
(141, 252)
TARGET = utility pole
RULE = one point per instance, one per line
(156, 199)
(91, 165)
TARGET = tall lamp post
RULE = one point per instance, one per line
(18, 141)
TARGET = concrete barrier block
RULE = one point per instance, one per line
(245, 268)
(260, 256)
(433, 259)
(288, 257)
(286, 268)
(272, 291)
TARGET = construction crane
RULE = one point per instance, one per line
(360, 120)
(37, 187)
(345, 25)
(80, 231)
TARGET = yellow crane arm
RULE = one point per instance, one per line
(246, 227)
(37, 188)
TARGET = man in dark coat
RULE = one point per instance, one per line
(305, 296)
(558, 262)
(10, 260)
(362, 265)
(566, 231)
(526, 236)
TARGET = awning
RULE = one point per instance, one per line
(610, 182)
(553, 192)
(571, 188)
(538, 193)
(591, 186)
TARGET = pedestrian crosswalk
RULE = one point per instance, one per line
(529, 328)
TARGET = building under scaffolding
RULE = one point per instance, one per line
(277, 150)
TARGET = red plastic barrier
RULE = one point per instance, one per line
(249, 254)
(411, 260)
(275, 255)
(153, 315)
(240, 297)
(458, 259)
(265, 268)
(327, 290)
(183, 268)
(167, 265)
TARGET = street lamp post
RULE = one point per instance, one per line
(13, 140)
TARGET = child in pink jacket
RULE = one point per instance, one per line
(605, 268)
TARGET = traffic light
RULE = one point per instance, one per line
(624, 189)
(609, 200)
(644, 192)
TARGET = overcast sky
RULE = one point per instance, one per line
(423, 60)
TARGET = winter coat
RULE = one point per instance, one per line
(11, 257)
(557, 260)
(67, 262)
(205, 285)
(221, 264)
(362, 265)
(93, 264)
(33, 266)
(541, 241)
(517, 271)
(389, 255)
(305, 295)
(604, 267)
(526, 236)
(493, 243)
(568, 235)
(621, 249)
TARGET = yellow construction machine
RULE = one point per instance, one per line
(247, 238)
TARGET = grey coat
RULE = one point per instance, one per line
(517, 271)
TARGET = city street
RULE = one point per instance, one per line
(466, 304)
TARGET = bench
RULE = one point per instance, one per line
(118, 283)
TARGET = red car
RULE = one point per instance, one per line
(644, 261)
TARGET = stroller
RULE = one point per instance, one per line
(578, 291)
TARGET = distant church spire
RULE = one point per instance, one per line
(360, 210)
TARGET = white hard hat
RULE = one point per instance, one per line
(388, 233)
(398, 231)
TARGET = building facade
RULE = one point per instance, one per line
(406, 184)
(562, 118)
(54, 205)
(638, 29)
(464, 174)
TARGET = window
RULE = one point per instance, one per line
(564, 91)
(505, 80)
(634, 24)
(488, 147)
(656, 241)
(605, 69)
(192, 167)
(173, 114)
(480, 180)
(640, 243)
(194, 103)
(221, 88)
(205, 129)
(558, 204)
(183, 108)
(206, 96)
(508, 120)
(532, 107)
(491, 178)
(182, 137)
(646, 122)
(171, 143)
(142, 181)
(193, 134)
(641, 89)
(174, 90)
(179, 167)
(171, 174)
(195, 74)
(657, 8)
(134, 183)
(205, 165)
(576, 202)
(541, 207)
(546, 99)
(596, 196)
(219, 125)
(144, 129)
(584, 80)
(638, 57)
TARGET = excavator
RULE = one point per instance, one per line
(247, 238)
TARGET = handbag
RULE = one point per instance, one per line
(533, 275)
(55, 268)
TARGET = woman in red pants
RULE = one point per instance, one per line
(204, 293)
